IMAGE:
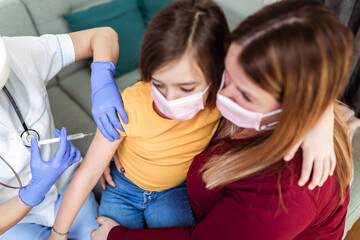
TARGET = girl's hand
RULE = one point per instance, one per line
(103, 231)
(318, 151)
(106, 177)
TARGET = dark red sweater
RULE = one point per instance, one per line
(251, 209)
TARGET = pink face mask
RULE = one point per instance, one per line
(240, 116)
(180, 109)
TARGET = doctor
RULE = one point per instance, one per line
(26, 65)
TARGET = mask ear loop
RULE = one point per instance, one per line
(16, 175)
(270, 114)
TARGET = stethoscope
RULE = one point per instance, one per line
(26, 136)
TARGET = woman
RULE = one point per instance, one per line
(291, 59)
(26, 65)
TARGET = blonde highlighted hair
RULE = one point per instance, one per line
(301, 53)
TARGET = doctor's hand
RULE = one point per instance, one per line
(106, 100)
(103, 231)
(45, 174)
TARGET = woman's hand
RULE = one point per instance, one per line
(106, 177)
(318, 151)
(103, 231)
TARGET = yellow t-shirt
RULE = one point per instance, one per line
(156, 153)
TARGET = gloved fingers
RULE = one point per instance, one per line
(72, 151)
(76, 157)
(56, 132)
(122, 113)
(116, 122)
(67, 152)
(35, 152)
(109, 127)
(102, 130)
(62, 148)
(75, 154)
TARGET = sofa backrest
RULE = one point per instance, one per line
(237, 10)
(47, 14)
(15, 19)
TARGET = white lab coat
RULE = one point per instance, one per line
(33, 61)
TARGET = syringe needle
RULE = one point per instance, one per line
(70, 137)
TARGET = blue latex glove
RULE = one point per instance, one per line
(45, 174)
(106, 100)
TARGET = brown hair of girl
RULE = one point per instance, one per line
(197, 27)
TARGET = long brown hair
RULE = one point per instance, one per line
(198, 27)
(301, 53)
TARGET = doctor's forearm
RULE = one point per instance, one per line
(100, 43)
(11, 212)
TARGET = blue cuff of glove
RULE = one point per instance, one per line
(103, 66)
(30, 198)
(102, 75)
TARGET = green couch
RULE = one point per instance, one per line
(69, 91)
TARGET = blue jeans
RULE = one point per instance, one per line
(134, 207)
(81, 228)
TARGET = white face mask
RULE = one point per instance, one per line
(4, 65)
(180, 109)
(240, 116)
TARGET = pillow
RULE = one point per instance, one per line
(150, 7)
(125, 18)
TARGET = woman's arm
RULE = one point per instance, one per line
(11, 212)
(230, 217)
(97, 158)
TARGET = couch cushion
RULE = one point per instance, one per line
(69, 114)
(47, 15)
(237, 10)
(15, 20)
(354, 205)
(150, 8)
(125, 18)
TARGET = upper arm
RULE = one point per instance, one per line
(98, 157)
(42, 56)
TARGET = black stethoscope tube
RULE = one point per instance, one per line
(26, 136)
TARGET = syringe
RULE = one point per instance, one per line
(70, 137)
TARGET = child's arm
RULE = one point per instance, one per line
(318, 151)
(97, 158)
